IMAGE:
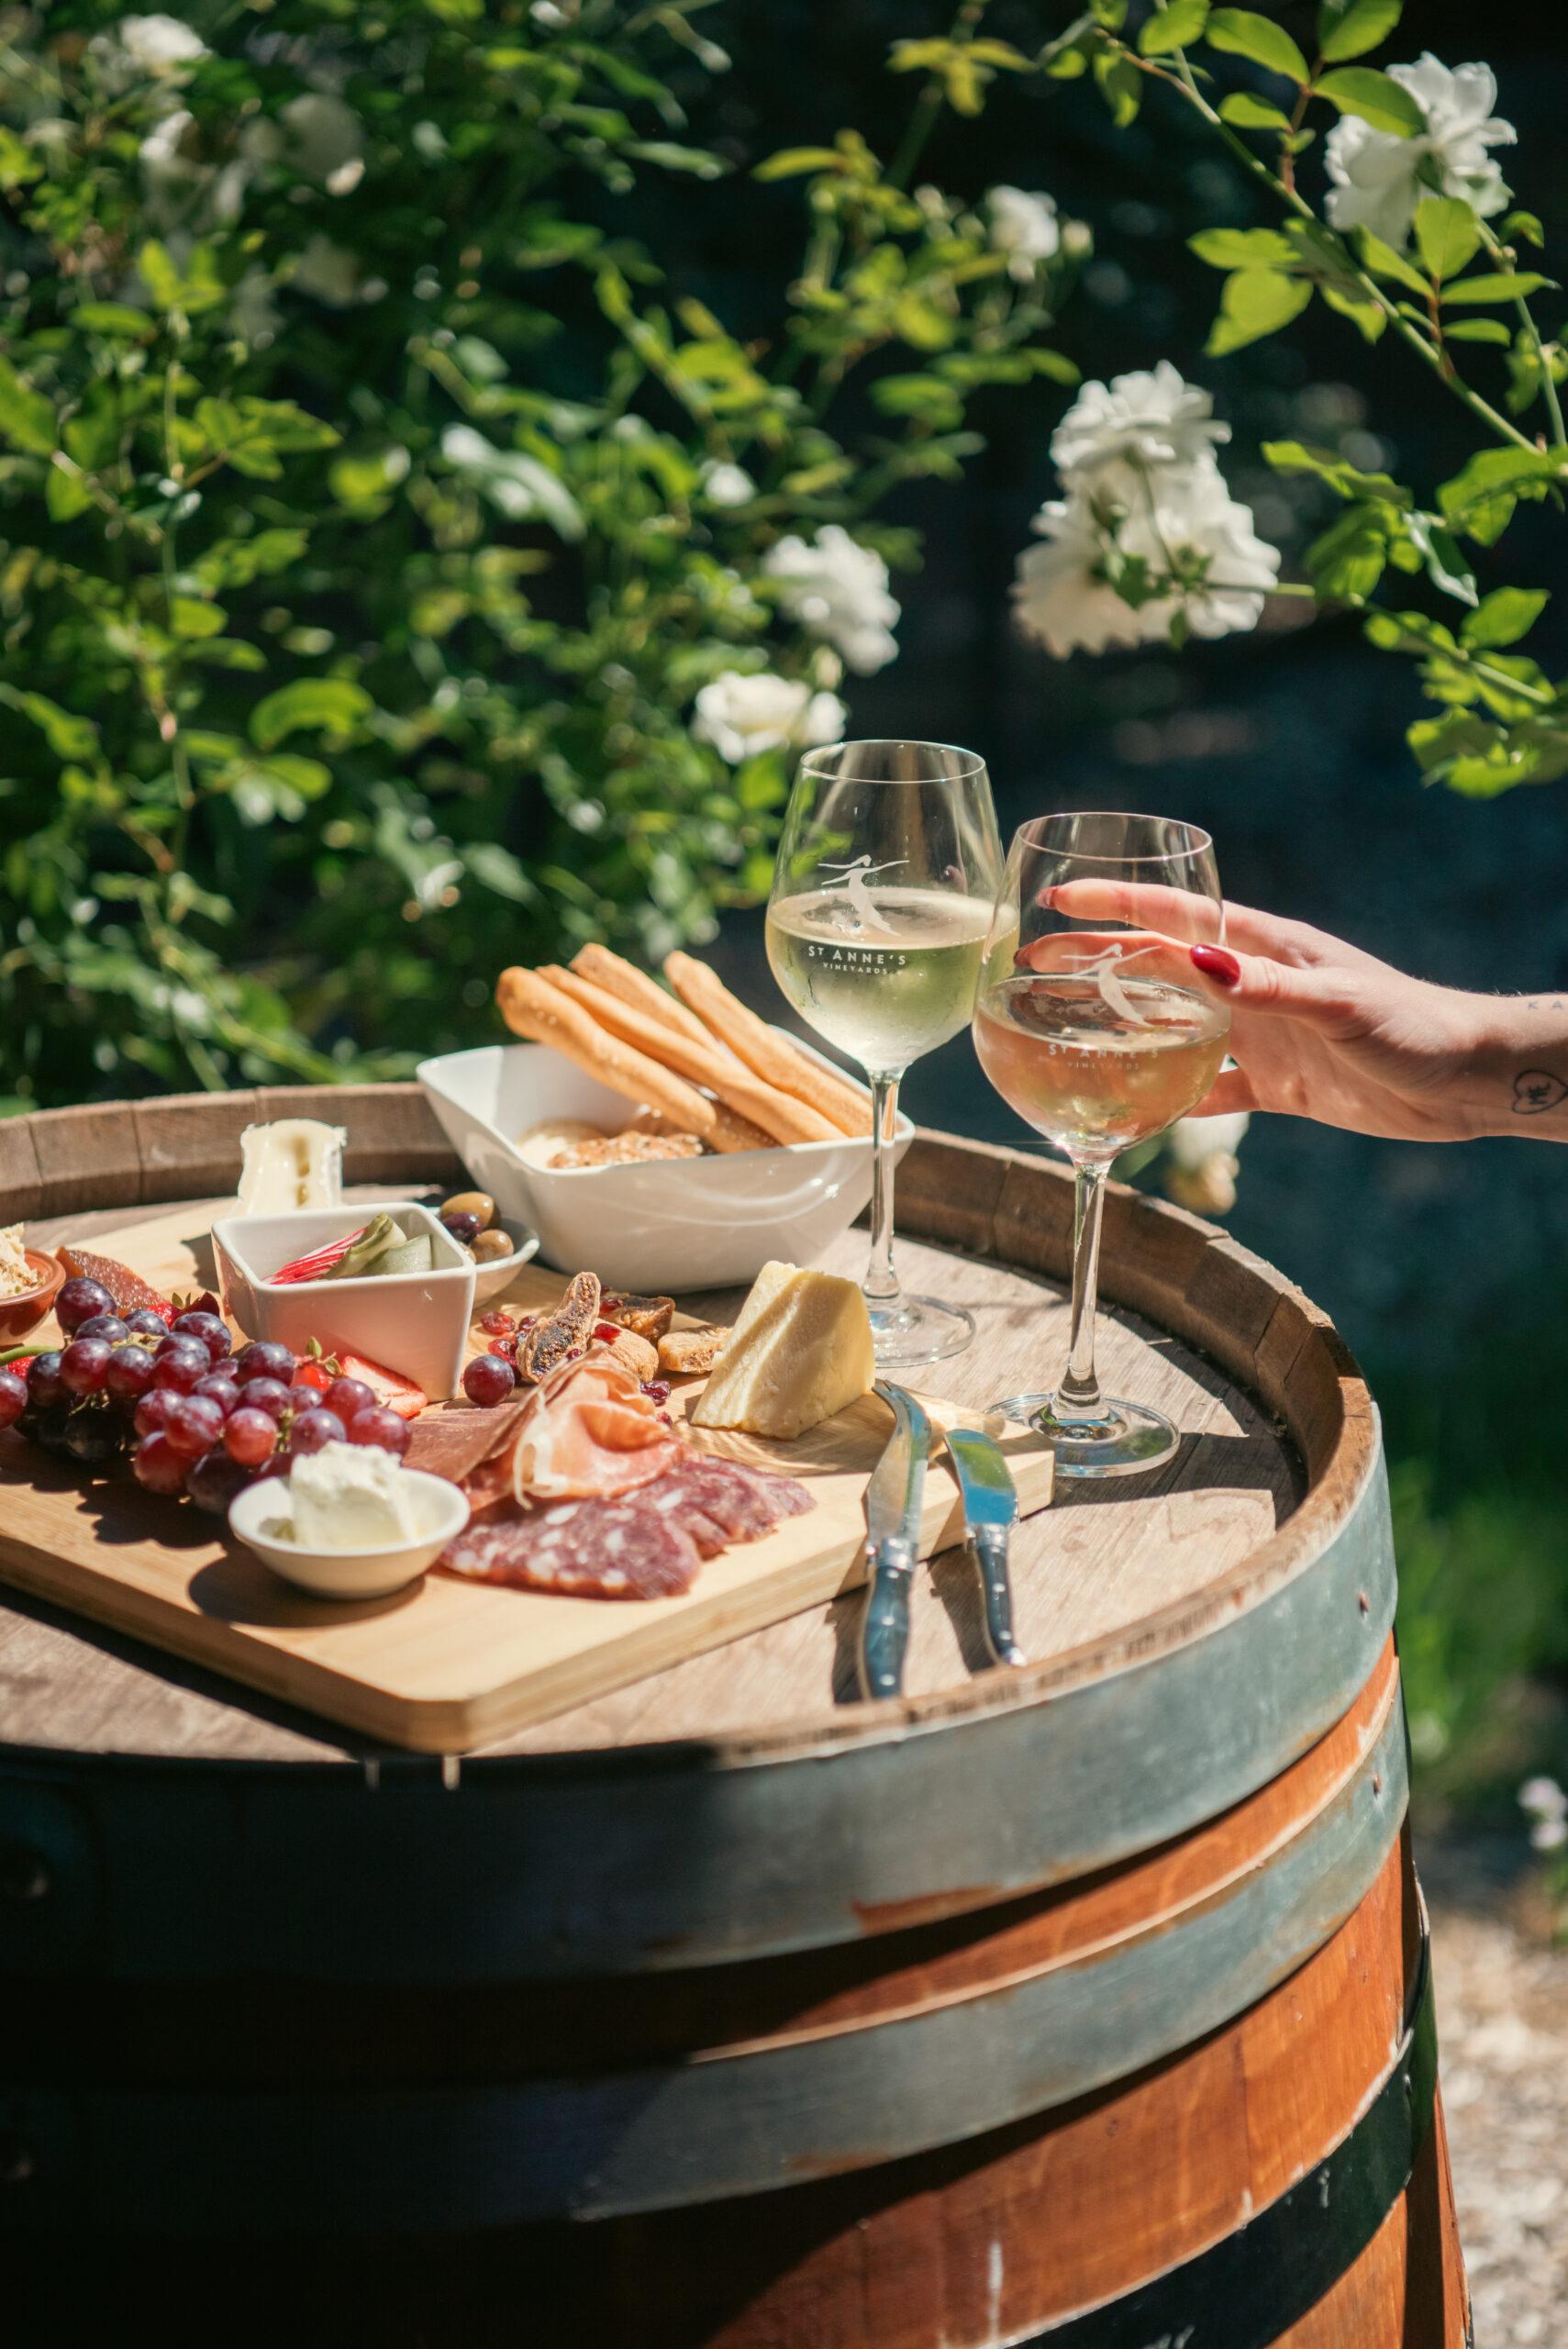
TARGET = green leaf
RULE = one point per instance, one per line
(1384, 261)
(1495, 285)
(188, 616)
(1350, 27)
(1480, 499)
(66, 495)
(19, 163)
(1254, 303)
(1174, 27)
(672, 158)
(116, 318)
(1361, 90)
(27, 419)
(1120, 85)
(1348, 559)
(1522, 227)
(1242, 33)
(314, 704)
(1244, 248)
(160, 276)
(1502, 618)
(1369, 317)
(1448, 234)
(1475, 330)
(1245, 111)
(1446, 566)
(68, 736)
(1297, 457)
(790, 161)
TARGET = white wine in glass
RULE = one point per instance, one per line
(882, 904)
(1090, 1024)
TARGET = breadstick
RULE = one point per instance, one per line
(618, 976)
(532, 1007)
(778, 1114)
(772, 1057)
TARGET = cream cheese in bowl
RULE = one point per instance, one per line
(349, 1521)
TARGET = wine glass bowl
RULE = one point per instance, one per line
(1091, 1023)
(882, 904)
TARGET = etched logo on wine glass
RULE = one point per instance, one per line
(862, 906)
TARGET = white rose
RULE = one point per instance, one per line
(1180, 514)
(252, 312)
(741, 712)
(144, 48)
(316, 136)
(1025, 228)
(838, 589)
(727, 485)
(1150, 418)
(183, 190)
(1379, 178)
(1544, 1797)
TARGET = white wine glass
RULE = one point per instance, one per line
(1090, 1026)
(882, 896)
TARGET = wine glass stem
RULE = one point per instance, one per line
(881, 1285)
(1078, 1396)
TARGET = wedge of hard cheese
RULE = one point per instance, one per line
(801, 1349)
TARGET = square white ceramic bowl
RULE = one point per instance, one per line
(665, 1224)
(414, 1323)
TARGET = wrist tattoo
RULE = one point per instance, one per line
(1535, 1090)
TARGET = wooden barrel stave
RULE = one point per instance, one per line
(1091, 2204)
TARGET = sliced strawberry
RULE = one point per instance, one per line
(320, 1260)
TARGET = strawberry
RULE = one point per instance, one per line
(393, 1392)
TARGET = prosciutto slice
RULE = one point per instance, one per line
(591, 1433)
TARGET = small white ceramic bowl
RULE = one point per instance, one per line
(414, 1323)
(439, 1510)
(664, 1224)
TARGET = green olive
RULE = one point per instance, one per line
(489, 1247)
(477, 1203)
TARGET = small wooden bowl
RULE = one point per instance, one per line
(21, 1315)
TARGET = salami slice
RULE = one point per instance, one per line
(747, 1502)
(581, 1549)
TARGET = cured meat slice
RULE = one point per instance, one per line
(581, 1549)
(746, 1502)
(458, 1438)
(592, 1433)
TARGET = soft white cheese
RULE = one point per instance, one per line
(292, 1162)
(17, 1276)
(351, 1496)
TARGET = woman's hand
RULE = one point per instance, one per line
(1320, 1030)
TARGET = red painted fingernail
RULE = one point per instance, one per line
(1215, 963)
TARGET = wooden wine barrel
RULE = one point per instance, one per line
(1086, 2003)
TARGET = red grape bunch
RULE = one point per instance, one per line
(195, 1417)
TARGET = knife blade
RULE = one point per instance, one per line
(990, 1511)
(893, 1501)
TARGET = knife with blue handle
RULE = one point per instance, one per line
(893, 1501)
(990, 1510)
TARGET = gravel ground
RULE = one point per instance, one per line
(1503, 2033)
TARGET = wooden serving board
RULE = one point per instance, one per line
(447, 1665)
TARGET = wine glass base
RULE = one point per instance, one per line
(917, 1330)
(1126, 1440)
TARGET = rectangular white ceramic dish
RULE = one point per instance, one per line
(663, 1225)
(414, 1323)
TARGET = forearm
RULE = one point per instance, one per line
(1516, 1075)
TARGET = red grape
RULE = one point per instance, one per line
(213, 1481)
(131, 1371)
(145, 1323)
(152, 1411)
(312, 1428)
(249, 1436)
(159, 1466)
(381, 1427)
(463, 1226)
(45, 1385)
(269, 1394)
(79, 1300)
(13, 1397)
(84, 1364)
(263, 1359)
(193, 1425)
(211, 1332)
(348, 1397)
(220, 1388)
(180, 1361)
(488, 1381)
(95, 1437)
(104, 1325)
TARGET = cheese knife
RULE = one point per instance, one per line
(990, 1510)
(893, 1501)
